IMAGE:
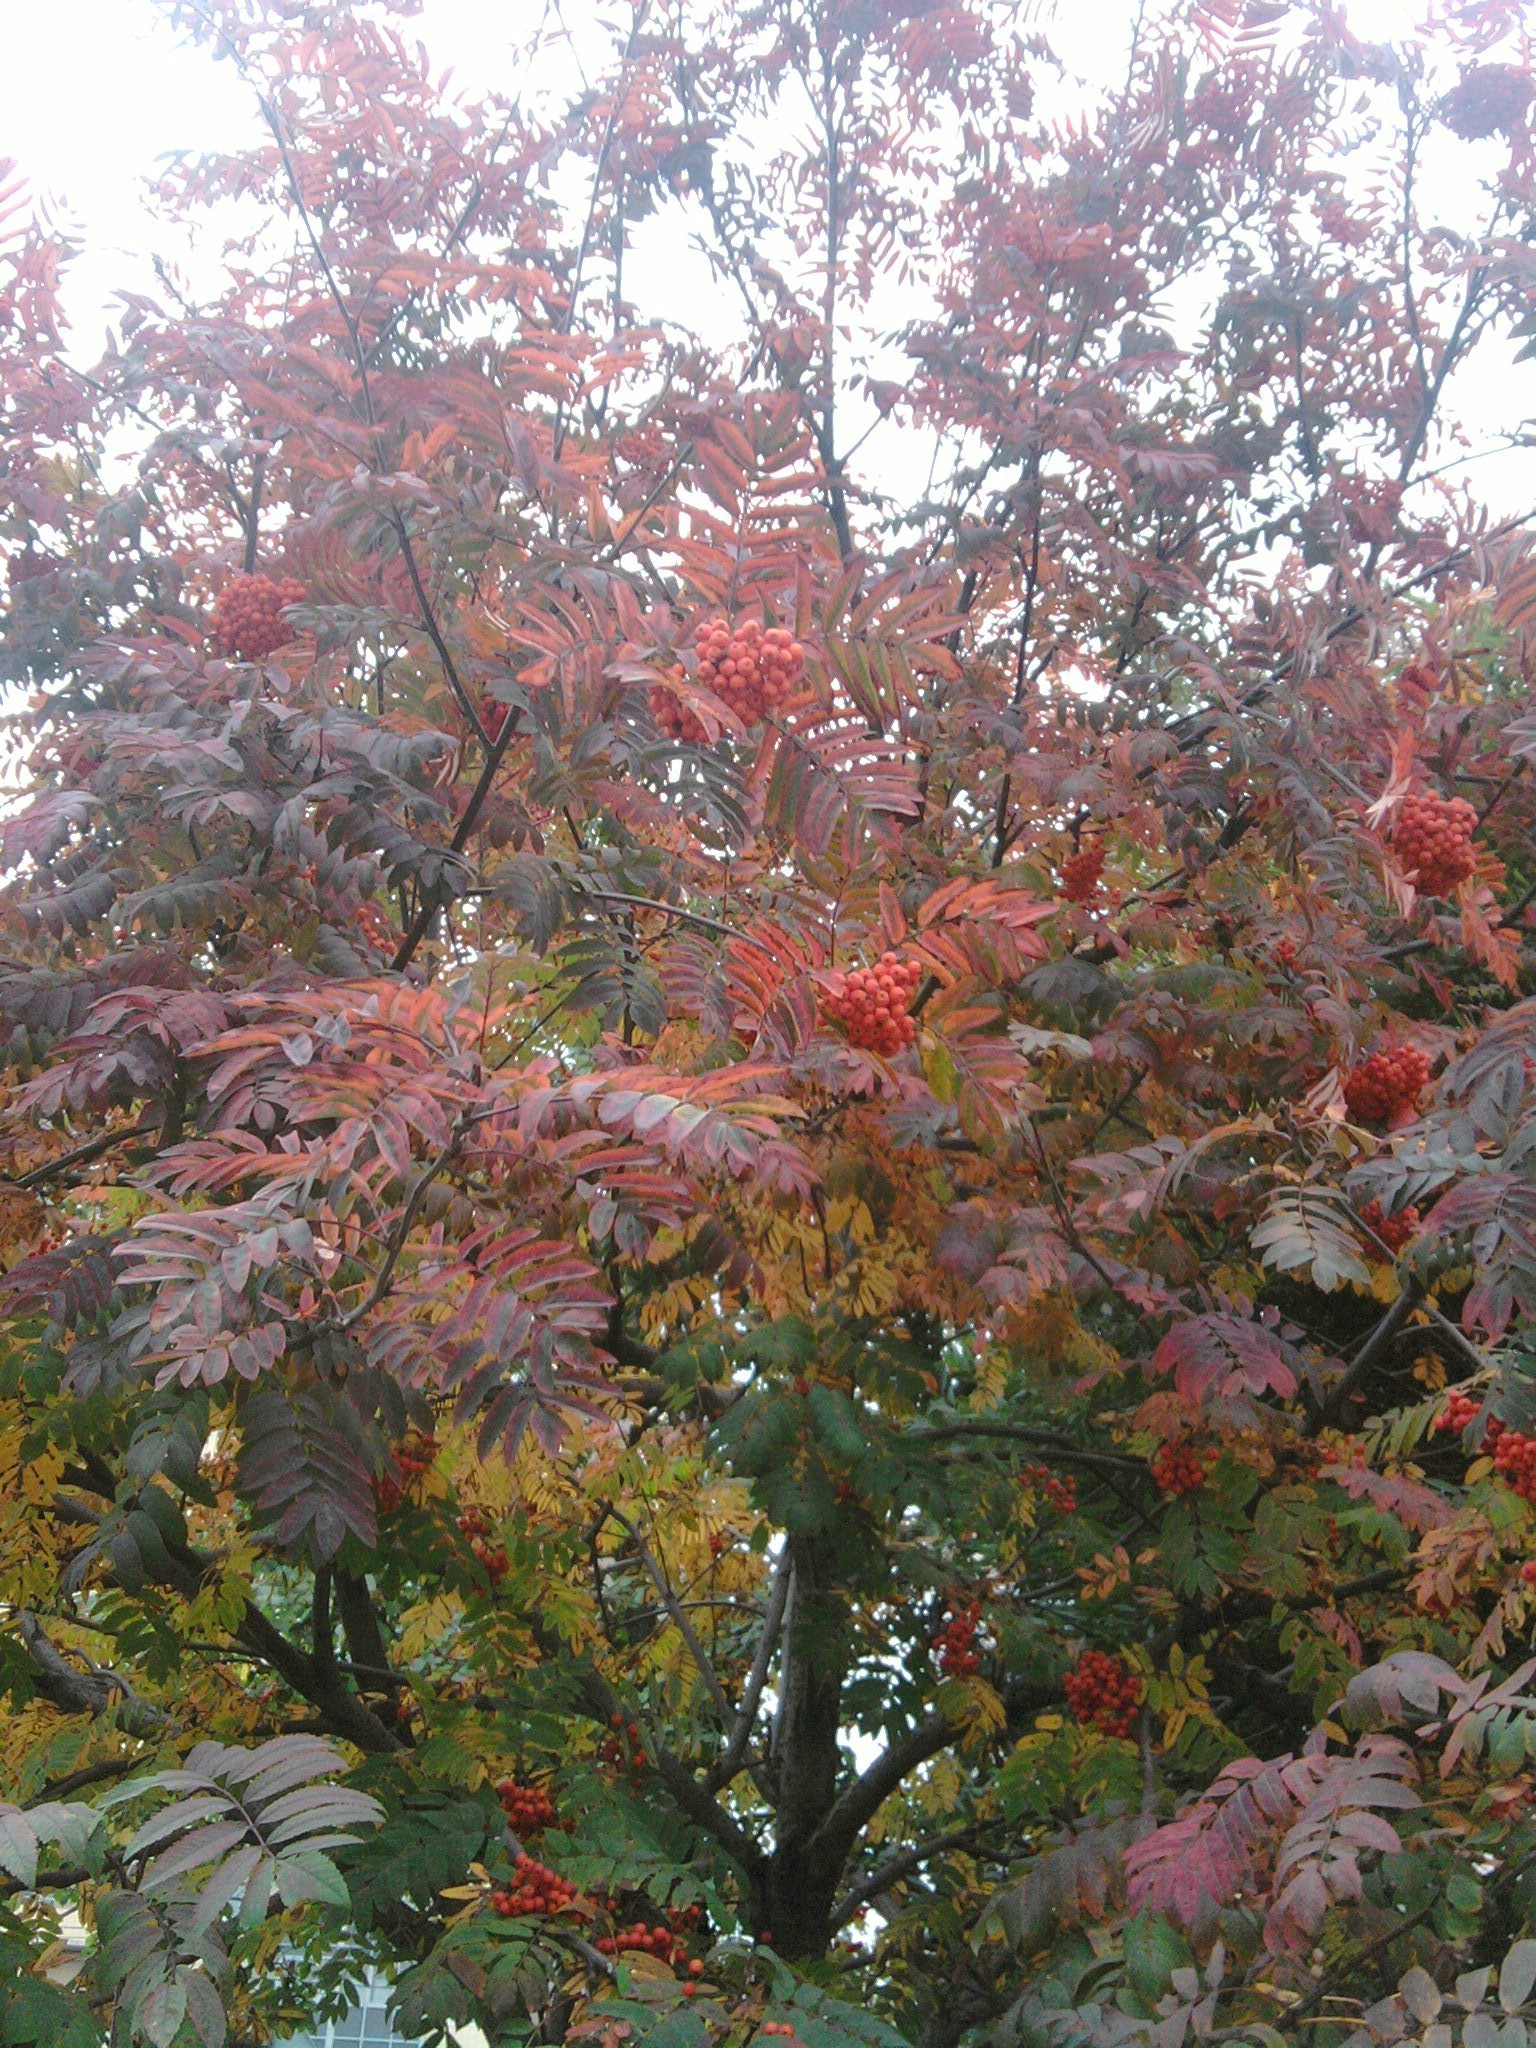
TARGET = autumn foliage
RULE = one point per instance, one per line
(769, 1030)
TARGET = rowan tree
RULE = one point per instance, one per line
(771, 1096)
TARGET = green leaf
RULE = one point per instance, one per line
(1154, 1949)
(310, 1875)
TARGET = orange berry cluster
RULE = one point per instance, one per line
(248, 617)
(529, 1808)
(1179, 1468)
(625, 1748)
(1060, 1492)
(784, 2027)
(410, 1459)
(872, 1004)
(1394, 1231)
(536, 1889)
(1433, 838)
(956, 1642)
(490, 1557)
(1387, 1085)
(1081, 871)
(750, 670)
(1103, 1693)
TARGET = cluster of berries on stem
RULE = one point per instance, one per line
(1385, 1088)
(1103, 1692)
(1513, 1453)
(490, 1557)
(873, 1004)
(624, 1749)
(1060, 1490)
(1081, 872)
(1179, 1468)
(1514, 1458)
(248, 620)
(1433, 839)
(752, 670)
(1459, 1413)
(535, 1889)
(410, 1459)
(956, 1642)
(529, 1808)
(664, 1937)
(1394, 1231)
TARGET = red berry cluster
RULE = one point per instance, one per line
(956, 1642)
(490, 1557)
(1179, 1468)
(248, 617)
(1459, 1412)
(1284, 952)
(1386, 1086)
(1394, 1231)
(1103, 1693)
(410, 1459)
(493, 716)
(536, 1889)
(750, 670)
(1081, 872)
(1489, 99)
(625, 1748)
(1514, 1454)
(529, 1808)
(1528, 1571)
(784, 2027)
(1061, 1493)
(1514, 1458)
(1433, 838)
(660, 1942)
(872, 1004)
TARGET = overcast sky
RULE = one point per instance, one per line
(93, 92)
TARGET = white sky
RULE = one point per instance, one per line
(93, 92)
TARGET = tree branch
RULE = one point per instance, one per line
(752, 1693)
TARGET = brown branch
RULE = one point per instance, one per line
(96, 1691)
(730, 1761)
(1375, 1347)
(1023, 1433)
(679, 1618)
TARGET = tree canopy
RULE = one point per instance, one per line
(770, 1045)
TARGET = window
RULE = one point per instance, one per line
(366, 2026)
